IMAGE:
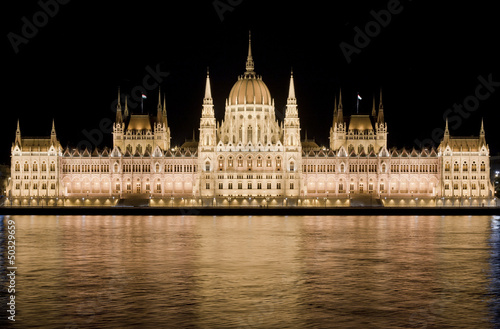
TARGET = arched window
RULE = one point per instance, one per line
(115, 167)
(207, 166)
(157, 167)
(139, 149)
(35, 166)
(149, 148)
(292, 166)
(249, 134)
(129, 148)
(17, 166)
(483, 166)
(350, 148)
(26, 166)
(342, 168)
(447, 166)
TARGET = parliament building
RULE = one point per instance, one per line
(250, 157)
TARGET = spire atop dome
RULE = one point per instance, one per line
(250, 64)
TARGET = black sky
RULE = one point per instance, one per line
(426, 59)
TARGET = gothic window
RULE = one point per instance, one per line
(230, 162)
(249, 162)
(370, 148)
(26, 166)
(115, 167)
(455, 166)
(259, 161)
(221, 163)
(249, 134)
(207, 166)
(44, 166)
(360, 149)
(278, 162)
(350, 148)
(240, 161)
(474, 166)
(292, 166)
(383, 167)
(268, 162)
(129, 148)
(17, 166)
(447, 166)
(35, 166)
(139, 149)
(342, 168)
(483, 166)
(149, 148)
(465, 167)
(157, 167)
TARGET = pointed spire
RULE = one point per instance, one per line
(335, 111)
(159, 111)
(482, 140)
(208, 90)
(53, 137)
(119, 108)
(291, 89)
(208, 107)
(159, 99)
(374, 112)
(18, 134)
(249, 64)
(380, 118)
(126, 107)
(446, 137)
(119, 105)
(340, 117)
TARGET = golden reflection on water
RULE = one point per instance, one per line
(253, 272)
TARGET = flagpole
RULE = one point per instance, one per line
(142, 101)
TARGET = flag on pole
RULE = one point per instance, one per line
(144, 96)
(359, 97)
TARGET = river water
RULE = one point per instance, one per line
(255, 272)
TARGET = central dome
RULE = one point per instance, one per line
(249, 89)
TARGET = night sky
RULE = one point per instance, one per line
(426, 59)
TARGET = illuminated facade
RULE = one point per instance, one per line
(250, 154)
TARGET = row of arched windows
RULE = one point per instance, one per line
(34, 166)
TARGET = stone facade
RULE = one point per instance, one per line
(250, 154)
